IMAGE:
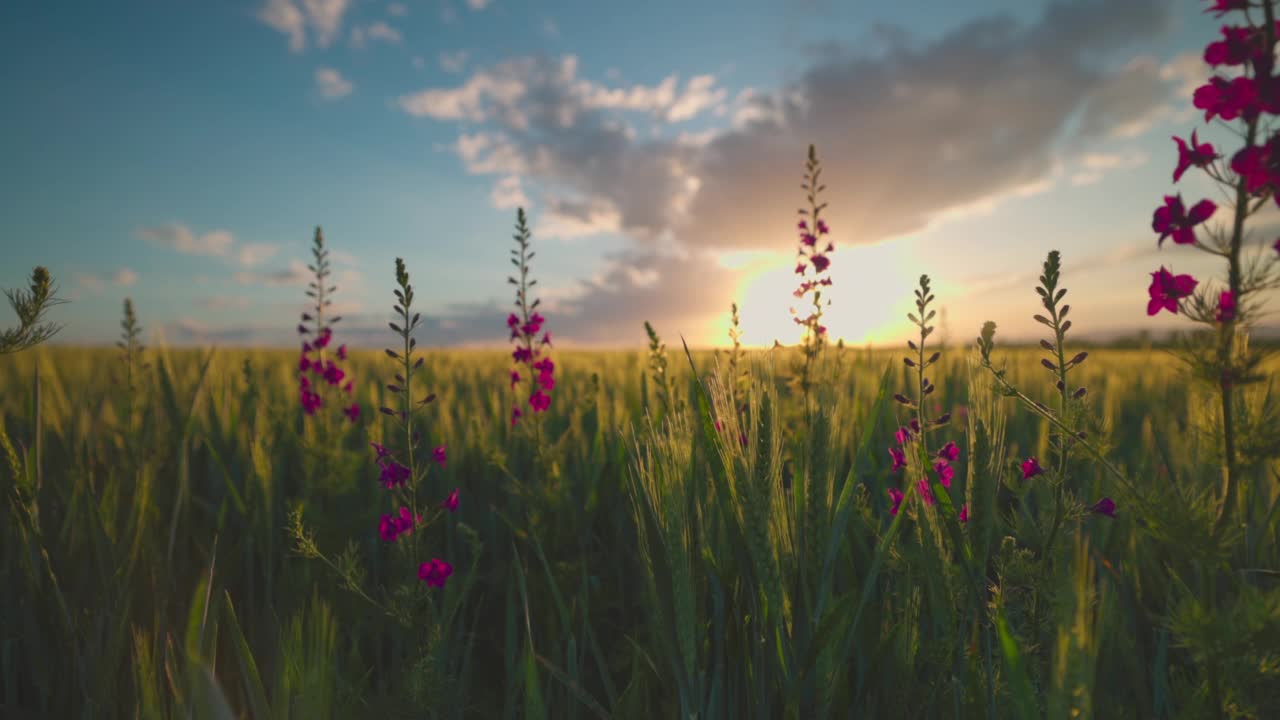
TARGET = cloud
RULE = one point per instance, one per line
(323, 18)
(179, 237)
(508, 194)
(224, 302)
(332, 85)
(549, 29)
(378, 30)
(1094, 165)
(453, 62)
(252, 254)
(124, 277)
(396, 9)
(567, 220)
(478, 5)
(296, 274)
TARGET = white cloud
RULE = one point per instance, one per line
(699, 94)
(508, 194)
(569, 220)
(89, 282)
(294, 17)
(332, 85)
(453, 62)
(478, 4)
(224, 302)
(180, 238)
(124, 277)
(296, 274)
(252, 254)
(396, 9)
(485, 153)
(382, 31)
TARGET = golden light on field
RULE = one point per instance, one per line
(871, 291)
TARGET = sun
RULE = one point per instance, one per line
(870, 284)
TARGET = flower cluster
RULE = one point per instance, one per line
(402, 479)
(525, 328)
(315, 371)
(391, 527)
(812, 253)
(1254, 91)
(921, 424)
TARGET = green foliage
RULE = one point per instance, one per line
(664, 569)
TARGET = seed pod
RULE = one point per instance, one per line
(1045, 362)
(1059, 385)
(1046, 345)
(902, 399)
(943, 419)
(1079, 393)
(909, 362)
(934, 357)
(1079, 358)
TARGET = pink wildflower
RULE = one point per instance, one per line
(435, 572)
(1173, 219)
(1226, 307)
(1105, 506)
(949, 452)
(899, 459)
(1031, 468)
(439, 455)
(896, 495)
(1198, 154)
(342, 352)
(1222, 7)
(1167, 289)
(393, 474)
(451, 503)
(964, 513)
(539, 401)
(926, 493)
(352, 413)
(945, 473)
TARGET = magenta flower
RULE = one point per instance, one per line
(353, 412)
(515, 379)
(1222, 7)
(1031, 468)
(1226, 307)
(800, 269)
(435, 572)
(822, 227)
(926, 493)
(451, 503)
(1167, 289)
(304, 364)
(820, 262)
(1173, 219)
(809, 239)
(522, 355)
(439, 455)
(945, 473)
(896, 496)
(1239, 44)
(546, 338)
(539, 401)
(802, 225)
(512, 321)
(964, 513)
(949, 452)
(1277, 246)
(515, 415)
(391, 527)
(1197, 154)
(342, 352)
(393, 474)
(1259, 165)
(380, 450)
(1105, 506)
(899, 459)
(903, 436)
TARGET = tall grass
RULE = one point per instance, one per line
(658, 568)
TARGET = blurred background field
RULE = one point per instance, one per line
(149, 571)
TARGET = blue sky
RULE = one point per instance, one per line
(181, 153)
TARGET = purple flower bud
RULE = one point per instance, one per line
(1045, 362)
(1079, 393)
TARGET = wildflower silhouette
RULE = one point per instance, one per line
(525, 328)
(30, 307)
(1245, 48)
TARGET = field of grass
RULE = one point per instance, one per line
(195, 546)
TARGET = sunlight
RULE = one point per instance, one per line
(872, 290)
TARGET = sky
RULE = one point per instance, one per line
(182, 153)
